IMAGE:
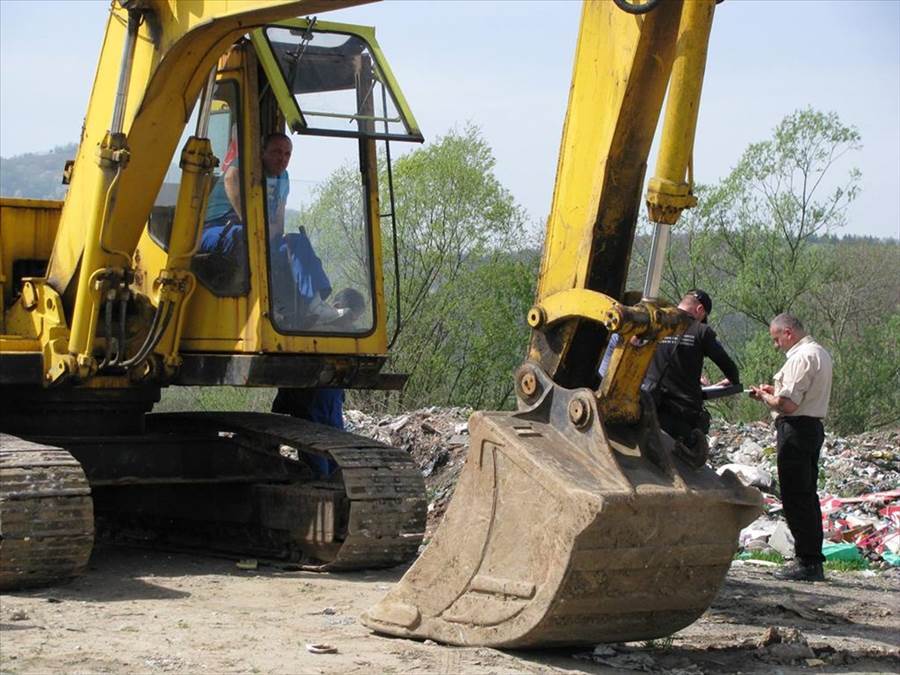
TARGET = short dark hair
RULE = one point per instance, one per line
(272, 136)
(700, 296)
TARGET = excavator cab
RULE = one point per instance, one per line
(320, 273)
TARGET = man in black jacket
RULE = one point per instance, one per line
(674, 377)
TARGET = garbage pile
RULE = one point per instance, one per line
(859, 480)
(437, 439)
(850, 467)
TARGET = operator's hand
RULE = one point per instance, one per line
(704, 381)
(723, 383)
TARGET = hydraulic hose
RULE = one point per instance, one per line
(160, 322)
(108, 355)
(633, 8)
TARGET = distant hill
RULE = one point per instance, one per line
(37, 175)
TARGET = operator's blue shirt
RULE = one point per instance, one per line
(277, 188)
(217, 235)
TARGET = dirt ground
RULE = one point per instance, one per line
(149, 611)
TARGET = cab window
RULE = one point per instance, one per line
(321, 275)
(221, 263)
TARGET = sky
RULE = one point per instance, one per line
(506, 66)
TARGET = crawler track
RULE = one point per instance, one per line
(247, 484)
(46, 514)
(382, 518)
(238, 483)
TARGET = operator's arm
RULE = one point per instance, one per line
(232, 182)
(277, 206)
(276, 223)
(715, 351)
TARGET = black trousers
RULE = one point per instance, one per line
(799, 442)
(679, 421)
(677, 426)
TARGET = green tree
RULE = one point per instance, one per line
(856, 314)
(761, 223)
(761, 241)
(465, 353)
(866, 389)
(334, 220)
(466, 273)
(458, 231)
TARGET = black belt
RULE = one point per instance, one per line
(798, 419)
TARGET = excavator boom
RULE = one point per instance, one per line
(573, 521)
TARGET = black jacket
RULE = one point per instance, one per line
(678, 363)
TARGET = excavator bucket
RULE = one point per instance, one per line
(562, 534)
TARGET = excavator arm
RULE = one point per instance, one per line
(624, 65)
(573, 521)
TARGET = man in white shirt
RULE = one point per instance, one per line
(798, 400)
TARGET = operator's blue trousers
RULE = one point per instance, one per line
(324, 406)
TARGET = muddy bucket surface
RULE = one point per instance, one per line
(557, 536)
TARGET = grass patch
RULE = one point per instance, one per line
(830, 565)
(218, 398)
(846, 565)
(769, 556)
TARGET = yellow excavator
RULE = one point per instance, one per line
(112, 295)
(575, 521)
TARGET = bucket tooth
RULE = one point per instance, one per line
(561, 536)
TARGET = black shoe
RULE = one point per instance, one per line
(694, 450)
(798, 571)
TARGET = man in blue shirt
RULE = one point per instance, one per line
(296, 273)
(221, 261)
(276, 155)
(225, 204)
